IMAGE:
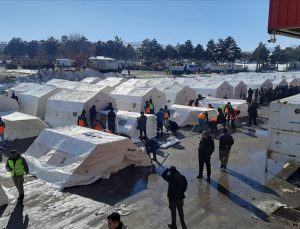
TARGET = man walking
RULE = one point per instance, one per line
(226, 141)
(17, 166)
(252, 112)
(93, 113)
(111, 120)
(177, 187)
(166, 115)
(206, 148)
(159, 123)
(2, 131)
(142, 125)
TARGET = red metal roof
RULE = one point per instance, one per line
(284, 17)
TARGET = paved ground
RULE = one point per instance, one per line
(242, 198)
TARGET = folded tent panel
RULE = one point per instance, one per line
(22, 87)
(8, 104)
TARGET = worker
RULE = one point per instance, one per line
(225, 97)
(221, 118)
(250, 94)
(2, 132)
(159, 123)
(151, 105)
(81, 121)
(142, 125)
(13, 96)
(172, 126)
(213, 124)
(176, 189)
(205, 150)
(17, 166)
(201, 120)
(210, 106)
(93, 113)
(147, 109)
(232, 117)
(252, 112)
(166, 114)
(109, 107)
(97, 125)
(114, 221)
(111, 120)
(226, 141)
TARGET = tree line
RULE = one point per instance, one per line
(79, 48)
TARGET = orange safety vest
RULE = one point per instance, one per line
(213, 119)
(107, 131)
(81, 123)
(2, 129)
(97, 127)
(232, 115)
(201, 116)
(147, 110)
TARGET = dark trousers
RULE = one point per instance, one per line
(112, 126)
(141, 134)
(233, 124)
(201, 165)
(173, 205)
(19, 183)
(159, 128)
(254, 120)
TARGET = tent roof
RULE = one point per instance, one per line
(40, 91)
(290, 100)
(91, 79)
(25, 86)
(75, 85)
(74, 95)
(16, 116)
(200, 109)
(111, 81)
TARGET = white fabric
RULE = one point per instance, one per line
(33, 102)
(8, 104)
(92, 79)
(20, 126)
(3, 197)
(111, 82)
(186, 115)
(65, 106)
(74, 155)
(22, 87)
(126, 123)
(170, 141)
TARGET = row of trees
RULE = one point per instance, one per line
(78, 47)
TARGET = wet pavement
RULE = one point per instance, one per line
(244, 197)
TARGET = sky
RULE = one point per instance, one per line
(168, 21)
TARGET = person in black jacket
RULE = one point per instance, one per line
(226, 142)
(142, 125)
(252, 112)
(206, 148)
(93, 113)
(177, 187)
(111, 120)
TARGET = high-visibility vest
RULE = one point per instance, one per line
(2, 129)
(166, 115)
(81, 123)
(98, 127)
(201, 116)
(16, 169)
(147, 110)
(151, 106)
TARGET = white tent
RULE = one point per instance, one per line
(8, 104)
(65, 106)
(187, 115)
(284, 129)
(131, 98)
(22, 87)
(3, 197)
(295, 82)
(258, 83)
(279, 82)
(33, 102)
(217, 89)
(127, 123)
(74, 155)
(111, 82)
(239, 88)
(20, 126)
(92, 79)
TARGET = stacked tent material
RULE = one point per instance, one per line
(3, 197)
(65, 106)
(127, 123)
(294, 82)
(21, 126)
(133, 98)
(22, 87)
(92, 79)
(33, 102)
(73, 155)
(187, 115)
(8, 104)
(284, 129)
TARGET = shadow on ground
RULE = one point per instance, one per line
(122, 185)
(240, 201)
(16, 220)
(252, 183)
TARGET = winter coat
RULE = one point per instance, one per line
(252, 111)
(206, 147)
(26, 168)
(226, 141)
(142, 122)
(160, 116)
(111, 116)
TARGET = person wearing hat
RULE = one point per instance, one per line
(17, 166)
(205, 150)
(114, 221)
